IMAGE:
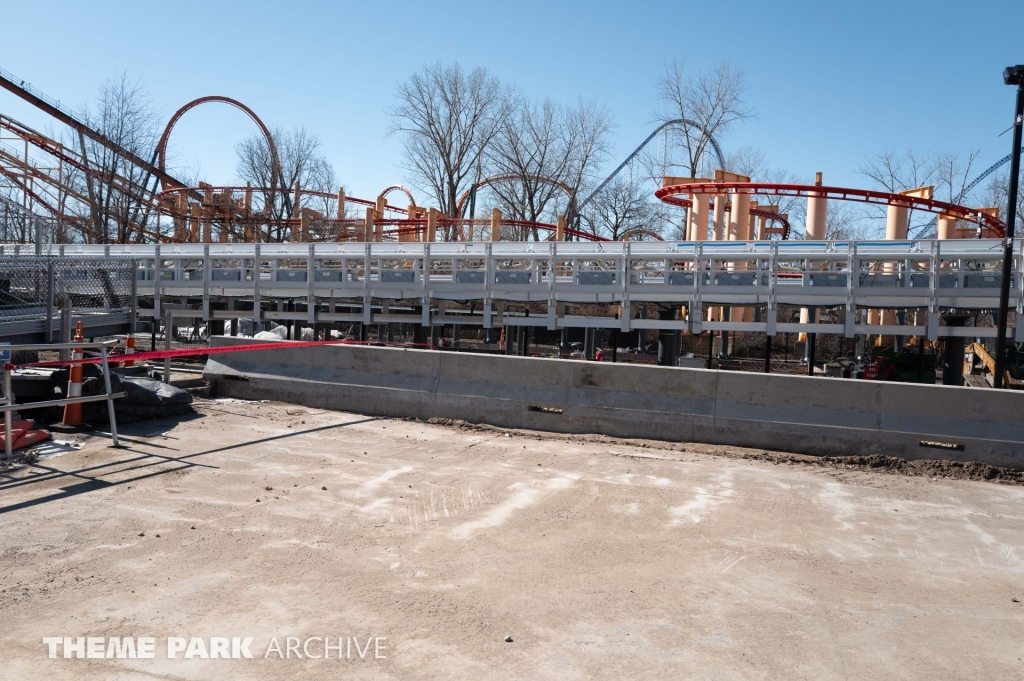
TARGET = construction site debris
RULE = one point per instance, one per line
(146, 398)
(24, 432)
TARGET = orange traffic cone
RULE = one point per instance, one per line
(129, 349)
(73, 412)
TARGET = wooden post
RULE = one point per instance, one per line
(560, 228)
(180, 221)
(378, 228)
(410, 214)
(368, 225)
(431, 232)
(495, 225)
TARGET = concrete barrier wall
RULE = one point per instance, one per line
(822, 416)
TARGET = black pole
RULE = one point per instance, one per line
(953, 351)
(810, 353)
(668, 351)
(767, 354)
(723, 351)
(920, 357)
(1012, 75)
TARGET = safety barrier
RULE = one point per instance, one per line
(10, 405)
(823, 416)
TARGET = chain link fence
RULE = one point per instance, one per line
(42, 297)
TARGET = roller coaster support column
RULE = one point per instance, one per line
(717, 234)
(1012, 75)
(718, 226)
(378, 228)
(946, 226)
(739, 223)
(897, 221)
(431, 231)
(817, 210)
(303, 230)
(699, 217)
(560, 228)
(749, 233)
(368, 225)
(739, 217)
(181, 217)
(495, 224)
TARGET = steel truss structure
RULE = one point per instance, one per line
(364, 278)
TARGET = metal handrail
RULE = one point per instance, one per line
(9, 404)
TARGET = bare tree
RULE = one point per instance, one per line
(708, 104)
(843, 222)
(298, 152)
(748, 161)
(546, 152)
(997, 193)
(623, 207)
(896, 172)
(447, 118)
(117, 198)
(948, 172)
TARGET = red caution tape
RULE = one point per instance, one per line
(197, 352)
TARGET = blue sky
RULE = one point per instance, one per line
(830, 82)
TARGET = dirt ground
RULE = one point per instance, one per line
(599, 558)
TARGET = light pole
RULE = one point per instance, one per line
(1012, 75)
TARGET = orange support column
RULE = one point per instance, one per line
(817, 211)
(946, 227)
(698, 217)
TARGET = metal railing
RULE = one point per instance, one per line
(8, 404)
(927, 275)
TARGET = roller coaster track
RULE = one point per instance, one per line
(54, 108)
(971, 185)
(672, 195)
(991, 169)
(636, 152)
(57, 150)
(494, 179)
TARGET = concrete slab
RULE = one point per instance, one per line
(602, 559)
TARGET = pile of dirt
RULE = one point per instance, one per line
(459, 424)
(956, 470)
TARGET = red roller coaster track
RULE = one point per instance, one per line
(161, 146)
(672, 195)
